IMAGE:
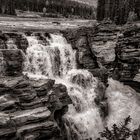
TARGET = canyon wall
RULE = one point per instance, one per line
(109, 50)
(28, 111)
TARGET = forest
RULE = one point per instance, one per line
(118, 10)
(63, 7)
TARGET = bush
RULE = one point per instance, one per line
(121, 132)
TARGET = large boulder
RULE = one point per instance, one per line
(108, 50)
(104, 52)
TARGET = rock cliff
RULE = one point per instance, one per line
(109, 50)
(27, 109)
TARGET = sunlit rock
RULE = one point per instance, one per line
(105, 52)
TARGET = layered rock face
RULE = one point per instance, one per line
(27, 109)
(109, 50)
(33, 110)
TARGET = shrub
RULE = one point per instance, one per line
(121, 132)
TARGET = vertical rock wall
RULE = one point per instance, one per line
(109, 50)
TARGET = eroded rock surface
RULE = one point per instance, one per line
(109, 50)
(27, 108)
(33, 110)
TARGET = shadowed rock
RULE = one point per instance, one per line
(12, 62)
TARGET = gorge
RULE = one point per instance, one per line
(69, 84)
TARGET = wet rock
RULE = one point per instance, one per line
(58, 97)
(108, 50)
(101, 99)
(104, 108)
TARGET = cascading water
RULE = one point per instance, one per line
(123, 101)
(54, 58)
(83, 121)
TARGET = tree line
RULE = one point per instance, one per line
(118, 10)
(63, 7)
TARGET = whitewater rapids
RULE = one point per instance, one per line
(52, 57)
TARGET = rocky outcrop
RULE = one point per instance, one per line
(11, 62)
(11, 40)
(27, 109)
(109, 50)
(34, 109)
(128, 57)
(80, 40)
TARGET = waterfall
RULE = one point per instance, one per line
(123, 101)
(52, 57)
(83, 118)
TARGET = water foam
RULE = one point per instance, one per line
(56, 59)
